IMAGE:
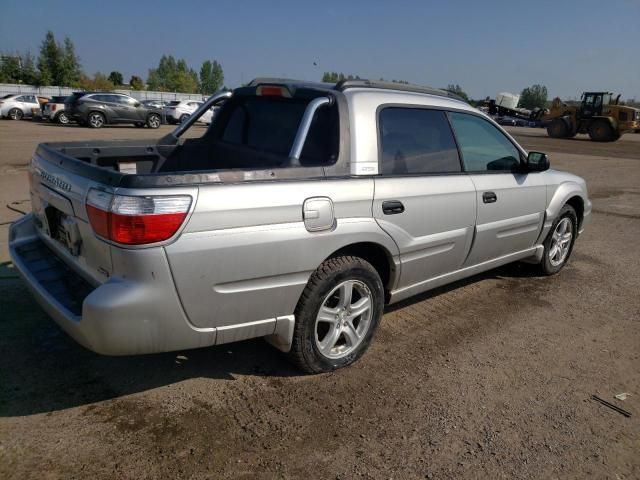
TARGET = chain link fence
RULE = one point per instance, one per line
(50, 91)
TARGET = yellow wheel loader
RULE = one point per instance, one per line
(598, 114)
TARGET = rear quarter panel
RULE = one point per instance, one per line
(246, 255)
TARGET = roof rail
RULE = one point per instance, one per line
(346, 84)
(403, 87)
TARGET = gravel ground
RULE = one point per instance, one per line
(487, 378)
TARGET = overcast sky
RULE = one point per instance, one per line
(485, 46)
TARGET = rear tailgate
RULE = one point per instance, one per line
(58, 200)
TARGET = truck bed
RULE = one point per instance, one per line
(143, 163)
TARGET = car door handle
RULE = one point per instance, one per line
(489, 197)
(392, 207)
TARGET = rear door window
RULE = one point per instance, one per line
(416, 141)
(484, 148)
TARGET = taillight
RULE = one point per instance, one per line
(136, 220)
(53, 107)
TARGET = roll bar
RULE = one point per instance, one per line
(172, 138)
(298, 142)
(303, 129)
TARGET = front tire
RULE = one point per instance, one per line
(96, 120)
(154, 120)
(16, 114)
(558, 129)
(337, 315)
(559, 242)
(184, 118)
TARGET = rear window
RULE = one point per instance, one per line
(75, 97)
(270, 124)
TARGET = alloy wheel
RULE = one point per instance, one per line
(343, 319)
(561, 242)
(96, 120)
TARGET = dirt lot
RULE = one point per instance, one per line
(487, 378)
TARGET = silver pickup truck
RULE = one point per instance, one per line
(300, 213)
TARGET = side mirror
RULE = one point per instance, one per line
(537, 162)
(137, 104)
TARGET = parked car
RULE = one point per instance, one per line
(154, 103)
(18, 106)
(180, 110)
(512, 121)
(96, 109)
(297, 217)
(54, 110)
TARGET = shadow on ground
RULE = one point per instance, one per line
(44, 370)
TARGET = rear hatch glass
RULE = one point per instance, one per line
(270, 124)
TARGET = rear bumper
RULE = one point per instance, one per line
(137, 313)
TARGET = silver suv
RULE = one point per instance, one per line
(299, 214)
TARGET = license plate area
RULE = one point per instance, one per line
(63, 229)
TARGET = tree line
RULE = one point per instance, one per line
(58, 64)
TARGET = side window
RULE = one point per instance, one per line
(21, 99)
(32, 99)
(484, 148)
(121, 99)
(416, 140)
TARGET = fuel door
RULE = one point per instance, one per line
(318, 214)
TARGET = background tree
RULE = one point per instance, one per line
(335, 77)
(115, 78)
(211, 77)
(99, 82)
(49, 60)
(10, 69)
(534, 96)
(173, 76)
(70, 64)
(218, 76)
(28, 73)
(457, 90)
(136, 83)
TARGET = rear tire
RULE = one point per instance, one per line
(337, 315)
(558, 129)
(15, 114)
(559, 242)
(62, 119)
(602, 131)
(96, 120)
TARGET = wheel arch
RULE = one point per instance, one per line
(577, 203)
(567, 193)
(378, 256)
(103, 113)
